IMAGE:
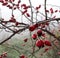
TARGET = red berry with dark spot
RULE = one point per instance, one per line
(47, 43)
(39, 43)
(34, 36)
(39, 32)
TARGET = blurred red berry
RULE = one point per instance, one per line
(38, 7)
(25, 40)
(47, 11)
(27, 14)
(32, 28)
(47, 23)
(34, 36)
(39, 43)
(4, 4)
(16, 23)
(22, 56)
(56, 10)
(36, 25)
(26, 7)
(39, 32)
(51, 10)
(1, 57)
(23, 5)
(24, 12)
(43, 34)
(11, 0)
(47, 43)
(12, 19)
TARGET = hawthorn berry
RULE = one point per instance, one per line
(16, 23)
(24, 12)
(28, 15)
(12, 20)
(39, 43)
(47, 43)
(25, 40)
(51, 10)
(47, 23)
(39, 32)
(43, 35)
(32, 28)
(23, 5)
(34, 36)
(47, 11)
(36, 25)
(22, 56)
(0, 56)
(56, 11)
(4, 4)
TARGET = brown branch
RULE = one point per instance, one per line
(13, 35)
(27, 26)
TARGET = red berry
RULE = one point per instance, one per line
(32, 28)
(28, 15)
(25, 40)
(12, 20)
(39, 43)
(56, 10)
(47, 11)
(16, 23)
(34, 36)
(47, 23)
(24, 12)
(39, 32)
(43, 34)
(36, 25)
(0, 56)
(23, 5)
(46, 49)
(47, 43)
(4, 4)
(51, 10)
(22, 56)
